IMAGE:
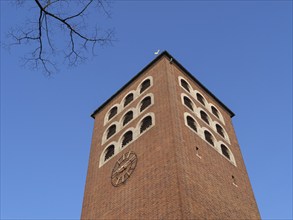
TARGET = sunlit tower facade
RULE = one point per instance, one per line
(164, 147)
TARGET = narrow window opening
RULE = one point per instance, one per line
(200, 98)
(197, 152)
(128, 117)
(220, 130)
(204, 117)
(145, 103)
(188, 103)
(109, 152)
(209, 138)
(191, 123)
(215, 112)
(234, 181)
(185, 85)
(127, 137)
(145, 85)
(225, 151)
(111, 131)
(112, 113)
(128, 99)
(146, 122)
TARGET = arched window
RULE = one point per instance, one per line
(200, 98)
(191, 123)
(215, 112)
(109, 152)
(128, 99)
(145, 103)
(127, 137)
(220, 130)
(111, 131)
(128, 117)
(204, 117)
(145, 85)
(146, 122)
(113, 112)
(188, 103)
(225, 151)
(185, 85)
(209, 138)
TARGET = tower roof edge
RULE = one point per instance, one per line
(174, 61)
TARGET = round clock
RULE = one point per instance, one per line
(123, 168)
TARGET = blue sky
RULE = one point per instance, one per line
(240, 50)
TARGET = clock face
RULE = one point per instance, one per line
(123, 168)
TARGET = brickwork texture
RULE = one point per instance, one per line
(170, 181)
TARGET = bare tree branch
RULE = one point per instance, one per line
(78, 14)
(47, 33)
(51, 15)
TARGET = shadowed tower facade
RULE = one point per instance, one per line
(163, 147)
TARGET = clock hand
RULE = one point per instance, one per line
(119, 170)
(126, 164)
(123, 167)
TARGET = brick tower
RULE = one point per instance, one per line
(164, 147)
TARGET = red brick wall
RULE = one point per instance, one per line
(206, 184)
(169, 181)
